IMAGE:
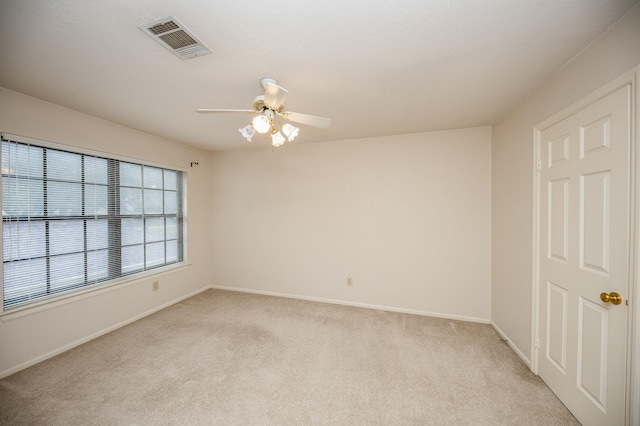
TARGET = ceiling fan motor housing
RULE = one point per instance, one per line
(258, 105)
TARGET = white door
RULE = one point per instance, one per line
(584, 251)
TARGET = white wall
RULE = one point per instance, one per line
(408, 217)
(33, 336)
(614, 53)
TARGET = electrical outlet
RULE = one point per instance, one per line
(155, 286)
(349, 281)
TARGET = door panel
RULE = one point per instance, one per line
(559, 220)
(595, 222)
(592, 352)
(557, 326)
(584, 251)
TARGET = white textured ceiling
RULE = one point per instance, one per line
(375, 67)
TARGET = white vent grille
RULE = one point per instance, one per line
(174, 36)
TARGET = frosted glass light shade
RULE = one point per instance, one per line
(261, 124)
(290, 131)
(277, 139)
(247, 132)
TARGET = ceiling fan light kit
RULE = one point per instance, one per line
(247, 132)
(290, 131)
(271, 119)
(263, 122)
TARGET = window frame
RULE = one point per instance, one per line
(89, 288)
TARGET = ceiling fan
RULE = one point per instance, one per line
(270, 118)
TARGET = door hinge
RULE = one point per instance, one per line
(537, 342)
(538, 164)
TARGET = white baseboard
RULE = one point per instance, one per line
(511, 345)
(86, 339)
(356, 304)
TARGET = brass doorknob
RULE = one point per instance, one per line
(612, 297)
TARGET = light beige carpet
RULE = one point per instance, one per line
(239, 359)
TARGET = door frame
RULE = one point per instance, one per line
(632, 391)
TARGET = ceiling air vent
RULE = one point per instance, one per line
(170, 33)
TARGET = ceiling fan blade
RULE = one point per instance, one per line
(225, 110)
(311, 120)
(274, 95)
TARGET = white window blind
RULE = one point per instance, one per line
(72, 220)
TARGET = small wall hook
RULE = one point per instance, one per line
(193, 163)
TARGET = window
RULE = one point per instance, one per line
(72, 220)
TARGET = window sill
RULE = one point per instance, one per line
(64, 299)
